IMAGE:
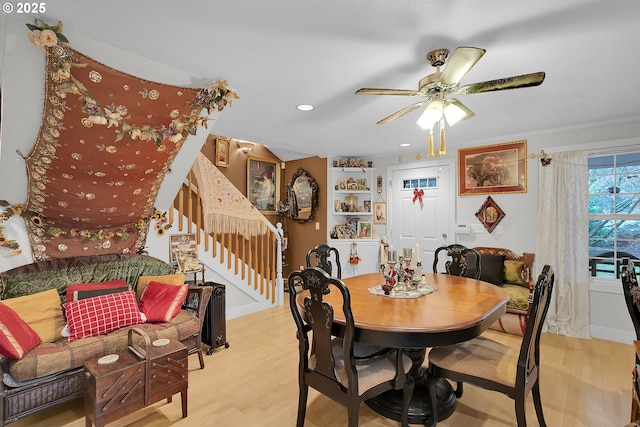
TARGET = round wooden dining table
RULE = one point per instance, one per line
(460, 309)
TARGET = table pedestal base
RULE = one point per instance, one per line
(389, 404)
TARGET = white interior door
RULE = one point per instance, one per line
(428, 222)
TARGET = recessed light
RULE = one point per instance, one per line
(405, 144)
(305, 107)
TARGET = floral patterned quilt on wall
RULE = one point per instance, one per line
(105, 143)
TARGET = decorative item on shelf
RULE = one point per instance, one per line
(351, 184)
(352, 202)
(490, 214)
(353, 254)
(364, 229)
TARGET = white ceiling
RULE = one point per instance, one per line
(280, 53)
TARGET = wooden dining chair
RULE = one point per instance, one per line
(322, 253)
(491, 365)
(457, 264)
(631, 291)
(339, 367)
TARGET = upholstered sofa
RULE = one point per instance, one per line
(51, 372)
(513, 272)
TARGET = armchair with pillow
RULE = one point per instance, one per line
(511, 271)
(58, 314)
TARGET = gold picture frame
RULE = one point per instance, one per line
(222, 152)
(263, 183)
(493, 169)
(379, 212)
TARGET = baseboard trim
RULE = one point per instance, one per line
(618, 335)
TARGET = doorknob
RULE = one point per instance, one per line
(444, 235)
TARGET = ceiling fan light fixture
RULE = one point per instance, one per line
(454, 114)
(431, 115)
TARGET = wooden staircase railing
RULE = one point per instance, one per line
(257, 259)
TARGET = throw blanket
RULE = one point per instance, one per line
(225, 208)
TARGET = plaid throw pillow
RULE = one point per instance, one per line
(101, 315)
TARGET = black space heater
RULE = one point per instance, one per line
(214, 328)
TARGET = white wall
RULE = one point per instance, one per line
(517, 231)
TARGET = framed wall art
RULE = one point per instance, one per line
(493, 169)
(263, 183)
(222, 152)
(364, 229)
(490, 214)
(379, 212)
(183, 252)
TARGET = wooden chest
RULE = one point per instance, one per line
(131, 383)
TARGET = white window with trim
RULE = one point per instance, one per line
(614, 212)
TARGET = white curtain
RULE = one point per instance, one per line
(562, 240)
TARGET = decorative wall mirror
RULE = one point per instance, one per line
(302, 195)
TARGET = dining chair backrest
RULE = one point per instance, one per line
(457, 265)
(335, 366)
(631, 292)
(490, 364)
(322, 253)
(529, 358)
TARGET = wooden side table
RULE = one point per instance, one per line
(114, 390)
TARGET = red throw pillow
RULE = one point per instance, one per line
(161, 302)
(16, 337)
(101, 315)
(111, 284)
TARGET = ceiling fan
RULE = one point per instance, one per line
(437, 86)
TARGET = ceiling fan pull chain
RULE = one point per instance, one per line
(431, 152)
(443, 142)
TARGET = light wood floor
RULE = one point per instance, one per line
(254, 383)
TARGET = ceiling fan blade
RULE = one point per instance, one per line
(402, 112)
(515, 82)
(462, 60)
(398, 92)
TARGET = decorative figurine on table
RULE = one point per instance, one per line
(389, 273)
